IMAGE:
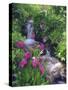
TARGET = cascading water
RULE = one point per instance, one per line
(29, 28)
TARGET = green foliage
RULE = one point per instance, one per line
(36, 52)
(61, 48)
(16, 36)
(58, 35)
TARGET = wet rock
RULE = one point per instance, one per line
(54, 69)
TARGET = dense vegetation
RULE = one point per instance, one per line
(55, 30)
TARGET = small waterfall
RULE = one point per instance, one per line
(30, 30)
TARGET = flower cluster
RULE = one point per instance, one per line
(36, 63)
(27, 55)
(42, 70)
(25, 60)
(41, 46)
(23, 63)
(20, 44)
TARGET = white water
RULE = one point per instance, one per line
(29, 28)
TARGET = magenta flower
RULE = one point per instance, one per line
(20, 44)
(23, 63)
(27, 55)
(41, 46)
(40, 59)
(42, 70)
(35, 62)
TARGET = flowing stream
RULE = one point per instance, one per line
(30, 29)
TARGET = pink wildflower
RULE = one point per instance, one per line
(23, 63)
(20, 44)
(41, 46)
(35, 62)
(40, 59)
(41, 67)
(27, 55)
